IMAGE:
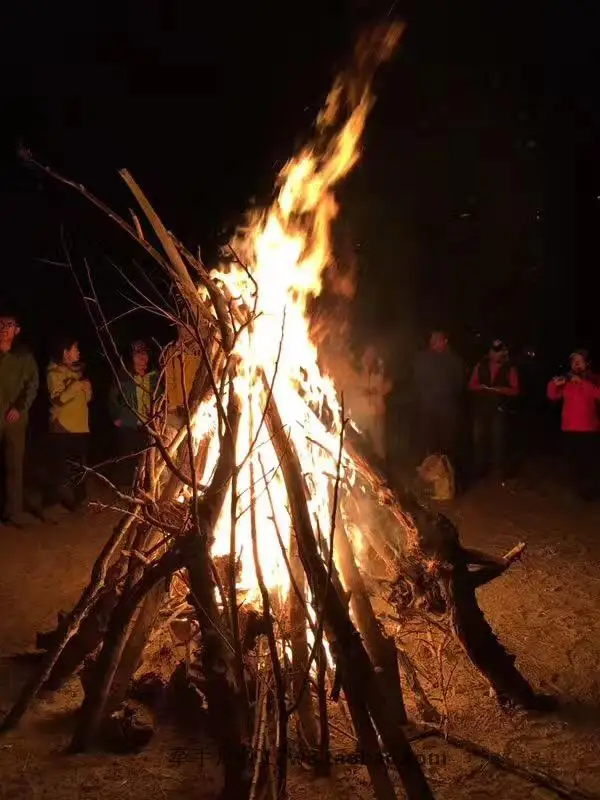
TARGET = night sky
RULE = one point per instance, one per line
(475, 205)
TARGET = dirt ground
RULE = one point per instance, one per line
(545, 610)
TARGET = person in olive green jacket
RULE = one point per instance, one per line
(133, 398)
(19, 383)
(70, 394)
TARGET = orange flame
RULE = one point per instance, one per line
(285, 251)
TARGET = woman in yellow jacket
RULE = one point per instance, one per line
(70, 394)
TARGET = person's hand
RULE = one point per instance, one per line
(13, 416)
(560, 381)
(86, 385)
(117, 423)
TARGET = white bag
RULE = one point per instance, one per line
(436, 471)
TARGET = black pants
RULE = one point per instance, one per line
(130, 443)
(441, 433)
(440, 430)
(581, 452)
(12, 453)
(68, 453)
(490, 440)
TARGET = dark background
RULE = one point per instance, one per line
(475, 206)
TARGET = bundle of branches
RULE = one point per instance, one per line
(257, 514)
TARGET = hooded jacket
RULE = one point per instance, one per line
(19, 381)
(69, 399)
(125, 398)
(579, 399)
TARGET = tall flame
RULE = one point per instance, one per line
(282, 255)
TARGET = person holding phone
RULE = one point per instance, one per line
(579, 392)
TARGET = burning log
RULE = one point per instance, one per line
(297, 611)
(358, 675)
(381, 649)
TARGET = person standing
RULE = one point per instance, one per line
(70, 394)
(579, 392)
(19, 384)
(368, 401)
(132, 401)
(440, 381)
(184, 373)
(182, 366)
(494, 382)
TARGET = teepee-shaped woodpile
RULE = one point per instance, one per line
(259, 526)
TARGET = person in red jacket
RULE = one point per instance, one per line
(579, 392)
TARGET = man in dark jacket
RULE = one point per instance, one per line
(19, 382)
(440, 380)
(493, 383)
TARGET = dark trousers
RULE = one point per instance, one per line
(440, 429)
(12, 452)
(130, 443)
(490, 432)
(441, 433)
(581, 451)
(68, 454)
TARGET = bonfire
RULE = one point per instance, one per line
(258, 534)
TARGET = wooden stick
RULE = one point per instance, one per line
(481, 644)
(79, 613)
(323, 764)
(299, 642)
(358, 673)
(383, 788)
(177, 268)
(282, 715)
(381, 649)
(92, 710)
(535, 776)
(94, 706)
(427, 711)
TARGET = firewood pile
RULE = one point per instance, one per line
(243, 571)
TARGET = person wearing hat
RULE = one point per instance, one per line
(132, 401)
(492, 385)
(579, 392)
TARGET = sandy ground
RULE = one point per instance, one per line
(545, 610)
